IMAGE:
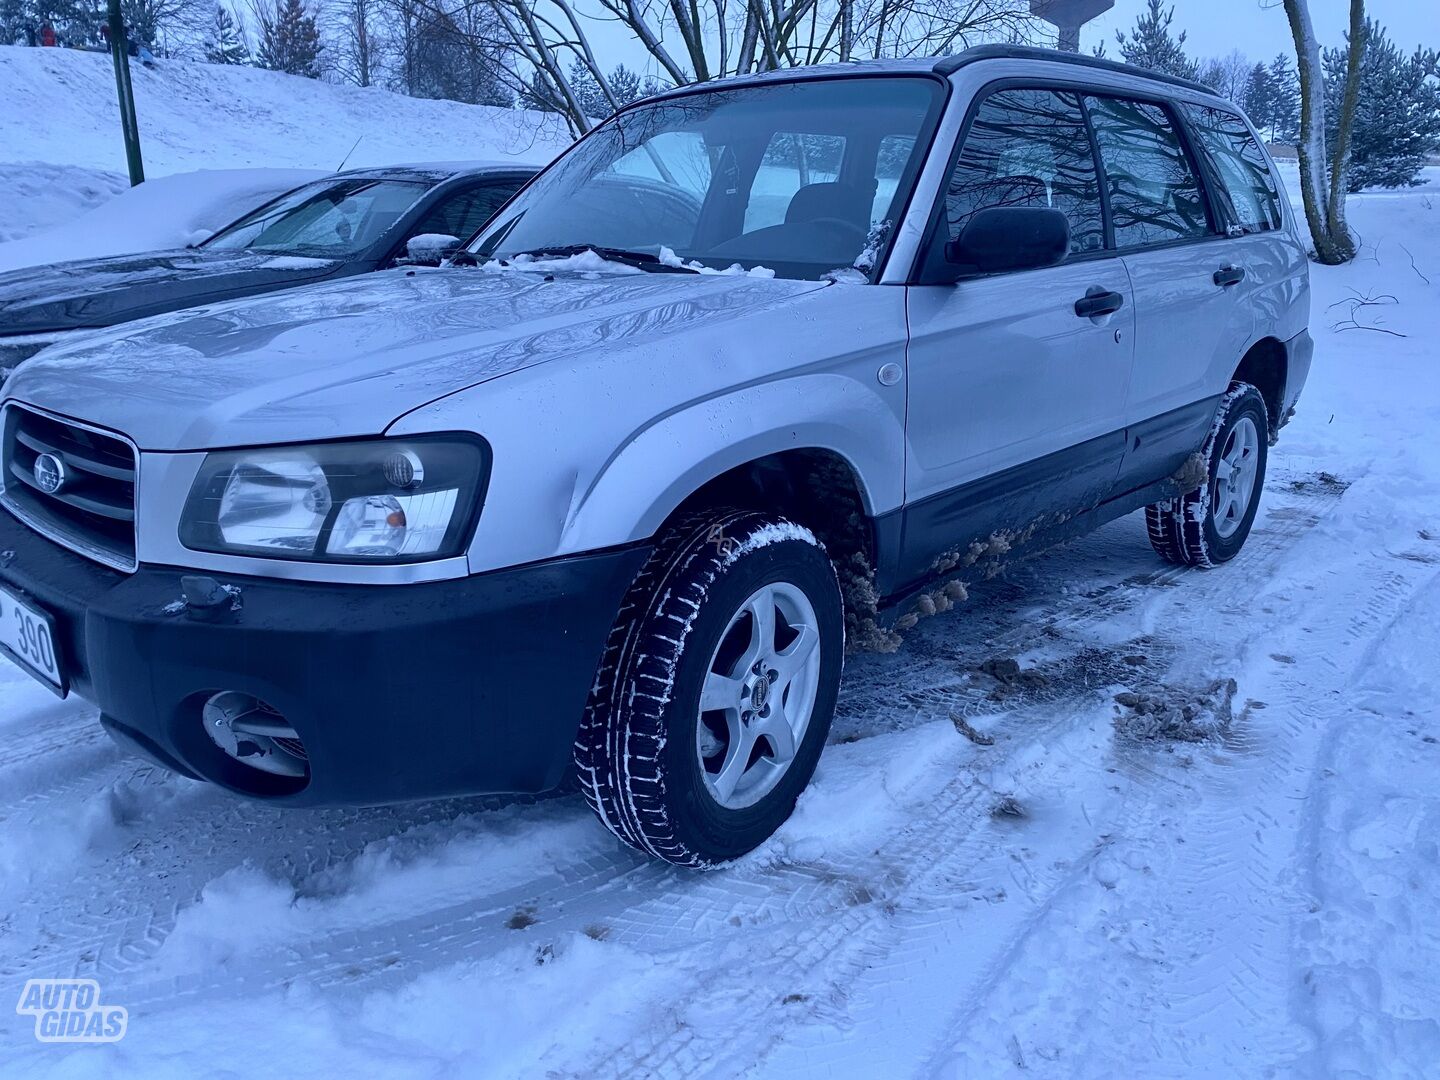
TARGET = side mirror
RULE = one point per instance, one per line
(430, 249)
(1004, 238)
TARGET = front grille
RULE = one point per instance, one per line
(93, 509)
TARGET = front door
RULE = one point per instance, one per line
(1016, 402)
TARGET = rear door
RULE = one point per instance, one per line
(1016, 403)
(1191, 326)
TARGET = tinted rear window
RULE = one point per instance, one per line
(1253, 196)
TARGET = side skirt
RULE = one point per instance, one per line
(1045, 535)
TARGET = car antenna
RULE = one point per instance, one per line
(348, 153)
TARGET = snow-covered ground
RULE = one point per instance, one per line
(1056, 894)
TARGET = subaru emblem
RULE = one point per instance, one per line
(50, 475)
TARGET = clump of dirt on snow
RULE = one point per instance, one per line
(1176, 714)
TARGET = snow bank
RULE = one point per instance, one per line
(60, 110)
(60, 107)
(168, 212)
(37, 195)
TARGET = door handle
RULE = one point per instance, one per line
(1229, 275)
(1094, 304)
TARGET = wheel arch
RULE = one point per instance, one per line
(1265, 367)
(822, 432)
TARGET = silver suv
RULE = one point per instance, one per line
(756, 370)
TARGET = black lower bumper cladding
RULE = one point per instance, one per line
(397, 692)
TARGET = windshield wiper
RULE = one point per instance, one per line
(641, 260)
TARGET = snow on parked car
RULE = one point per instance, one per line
(332, 228)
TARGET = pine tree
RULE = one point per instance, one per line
(1151, 46)
(1397, 118)
(1272, 98)
(223, 41)
(1285, 110)
(1260, 99)
(290, 40)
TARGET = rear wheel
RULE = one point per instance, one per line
(716, 690)
(1209, 526)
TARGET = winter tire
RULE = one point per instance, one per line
(1209, 526)
(716, 689)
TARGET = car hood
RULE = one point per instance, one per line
(349, 358)
(103, 292)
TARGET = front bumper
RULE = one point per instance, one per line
(398, 692)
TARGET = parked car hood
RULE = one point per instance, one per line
(104, 292)
(349, 358)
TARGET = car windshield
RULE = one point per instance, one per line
(332, 219)
(800, 178)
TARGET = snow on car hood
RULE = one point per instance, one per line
(104, 292)
(349, 358)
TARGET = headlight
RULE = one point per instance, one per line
(390, 500)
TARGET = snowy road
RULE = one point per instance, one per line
(1052, 899)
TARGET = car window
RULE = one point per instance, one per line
(891, 159)
(1155, 196)
(677, 159)
(461, 213)
(331, 219)
(1240, 163)
(793, 160)
(790, 177)
(1029, 148)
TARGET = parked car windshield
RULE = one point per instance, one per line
(801, 178)
(332, 219)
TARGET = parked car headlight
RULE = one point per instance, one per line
(389, 500)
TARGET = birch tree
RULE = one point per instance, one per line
(1323, 179)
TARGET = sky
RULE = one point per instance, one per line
(1258, 27)
(1213, 27)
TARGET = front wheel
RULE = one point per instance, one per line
(716, 690)
(1209, 526)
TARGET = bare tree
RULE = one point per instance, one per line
(358, 55)
(697, 40)
(1322, 173)
(1229, 75)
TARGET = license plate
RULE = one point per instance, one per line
(27, 636)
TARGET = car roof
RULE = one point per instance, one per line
(944, 66)
(438, 171)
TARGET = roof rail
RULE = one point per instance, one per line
(948, 65)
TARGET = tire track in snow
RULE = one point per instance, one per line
(1230, 963)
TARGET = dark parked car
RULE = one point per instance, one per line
(350, 223)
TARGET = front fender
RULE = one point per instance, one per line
(597, 451)
(653, 473)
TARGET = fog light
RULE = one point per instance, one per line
(254, 734)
